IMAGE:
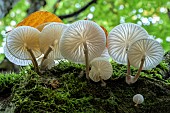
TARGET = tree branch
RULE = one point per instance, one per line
(55, 7)
(169, 13)
(79, 11)
(6, 6)
(35, 5)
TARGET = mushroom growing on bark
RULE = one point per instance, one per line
(23, 43)
(120, 38)
(82, 41)
(138, 99)
(144, 54)
(49, 40)
(101, 69)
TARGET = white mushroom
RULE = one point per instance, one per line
(138, 99)
(120, 39)
(49, 40)
(101, 69)
(82, 41)
(15, 60)
(144, 54)
(23, 43)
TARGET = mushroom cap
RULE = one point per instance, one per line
(151, 49)
(120, 39)
(138, 98)
(100, 68)
(21, 38)
(105, 54)
(15, 60)
(71, 42)
(50, 37)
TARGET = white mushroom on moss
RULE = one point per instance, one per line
(120, 38)
(49, 40)
(138, 99)
(101, 69)
(23, 43)
(15, 60)
(82, 41)
(144, 54)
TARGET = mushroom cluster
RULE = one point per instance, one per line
(83, 41)
(130, 44)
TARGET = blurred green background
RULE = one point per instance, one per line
(153, 15)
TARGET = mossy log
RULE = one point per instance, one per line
(62, 90)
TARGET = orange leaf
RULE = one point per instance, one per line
(104, 29)
(39, 17)
(106, 33)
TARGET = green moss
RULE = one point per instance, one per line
(62, 90)
(73, 94)
(7, 81)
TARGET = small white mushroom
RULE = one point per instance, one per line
(101, 69)
(15, 60)
(144, 54)
(138, 99)
(82, 41)
(23, 43)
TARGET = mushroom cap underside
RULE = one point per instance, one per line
(150, 49)
(138, 99)
(79, 33)
(22, 38)
(15, 60)
(100, 69)
(50, 37)
(120, 39)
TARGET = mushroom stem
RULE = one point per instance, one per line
(128, 74)
(137, 103)
(86, 59)
(46, 55)
(103, 84)
(34, 61)
(128, 67)
(140, 69)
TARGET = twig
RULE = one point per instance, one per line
(79, 11)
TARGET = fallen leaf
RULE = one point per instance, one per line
(39, 17)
